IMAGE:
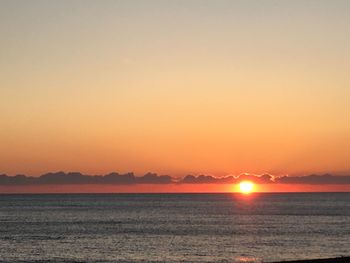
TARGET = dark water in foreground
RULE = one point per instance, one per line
(173, 227)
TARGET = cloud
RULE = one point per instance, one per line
(115, 178)
(152, 178)
(63, 178)
(15, 180)
(259, 179)
(314, 179)
(203, 179)
(78, 178)
(58, 178)
(230, 179)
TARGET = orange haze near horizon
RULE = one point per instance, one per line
(172, 188)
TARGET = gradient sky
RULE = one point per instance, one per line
(175, 87)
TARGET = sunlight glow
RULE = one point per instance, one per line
(246, 187)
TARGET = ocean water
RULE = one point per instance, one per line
(173, 227)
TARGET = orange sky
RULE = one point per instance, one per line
(180, 87)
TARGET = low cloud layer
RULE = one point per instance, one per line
(152, 178)
(78, 178)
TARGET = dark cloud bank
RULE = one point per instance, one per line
(152, 178)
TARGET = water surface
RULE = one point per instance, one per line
(173, 227)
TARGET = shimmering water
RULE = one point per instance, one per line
(173, 227)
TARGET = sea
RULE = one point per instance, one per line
(230, 227)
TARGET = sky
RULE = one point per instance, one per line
(175, 87)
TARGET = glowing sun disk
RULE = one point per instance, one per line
(246, 187)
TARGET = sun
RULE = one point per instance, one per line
(246, 187)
